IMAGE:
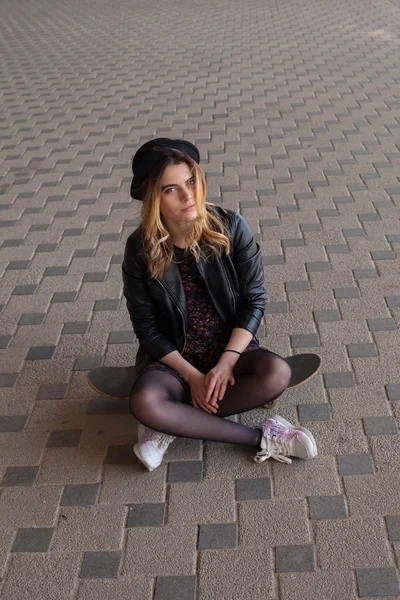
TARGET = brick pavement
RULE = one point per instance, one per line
(295, 108)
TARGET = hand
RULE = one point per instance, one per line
(198, 392)
(217, 381)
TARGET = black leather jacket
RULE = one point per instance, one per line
(157, 306)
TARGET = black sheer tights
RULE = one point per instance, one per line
(159, 401)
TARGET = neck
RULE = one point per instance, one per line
(178, 233)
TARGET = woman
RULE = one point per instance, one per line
(195, 294)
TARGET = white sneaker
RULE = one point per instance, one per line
(151, 446)
(280, 439)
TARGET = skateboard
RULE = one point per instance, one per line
(116, 382)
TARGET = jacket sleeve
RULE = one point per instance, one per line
(247, 261)
(141, 307)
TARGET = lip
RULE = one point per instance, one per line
(188, 208)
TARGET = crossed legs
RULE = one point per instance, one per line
(159, 401)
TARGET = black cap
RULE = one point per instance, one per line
(151, 153)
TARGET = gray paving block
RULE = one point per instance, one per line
(16, 265)
(294, 559)
(361, 350)
(217, 536)
(383, 255)
(40, 352)
(385, 324)
(55, 271)
(8, 379)
(24, 290)
(32, 319)
(380, 425)
(337, 249)
(313, 412)
(346, 292)
(292, 243)
(104, 406)
(103, 565)
(304, 340)
(179, 587)
(393, 301)
(121, 337)
(326, 316)
(317, 266)
(78, 327)
(52, 391)
(355, 232)
(327, 507)
(297, 286)
(277, 259)
(185, 471)
(68, 438)
(19, 476)
(46, 248)
(276, 308)
(393, 391)
(393, 527)
(94, 277)
(84, 253)
(146, 515)
(253, 489)
(365, 273)
(106, 305)
(33, 539)
(342, 379)
(64, 297)
(368, 217)
(12, 423)
(119, 455)
(307, 227)
(377, 582)
(87, 363)
(84, 494)
(355, 464)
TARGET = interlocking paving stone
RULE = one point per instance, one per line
(393, 301)
(33, 540)
(52, 391)
(317, 266)
(19, 476)
(100, 565)
(393, 527)
(380, 425)
(8, 379)
(297, 286)
(377, 582)
(121, 337)
(294, 558)
(32, 319)
(346, 292)
(12, 423)
(361, 350)
(103, 406)
(74, 328)
(313, 412)
(217, 536)
(187, 470)
(86, 363)
(64, 439)
(40, 352)
(119, 455)
(106, 305)
(181, 587)
(80, 494)
(355, 464)
(253, 489)
(327, 507)
(339, 380)
(305, 340)
(381, 324)
(64, 297)
(393, 391)
(324, 316)
(146, 515)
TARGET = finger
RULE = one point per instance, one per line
(222, 390)
(232, 380)
(210, 388)
(215, 395)
(208, 408)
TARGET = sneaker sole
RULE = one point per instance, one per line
(308, 433)
(142, 460)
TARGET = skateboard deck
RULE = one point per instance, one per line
(116, 382)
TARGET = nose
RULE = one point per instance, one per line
(187, 195)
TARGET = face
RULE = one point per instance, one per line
(178, 194)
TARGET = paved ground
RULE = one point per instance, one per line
(295, 107)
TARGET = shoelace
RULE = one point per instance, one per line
(161, 441)
(276, 448)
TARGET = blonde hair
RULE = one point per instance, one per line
(207, 237)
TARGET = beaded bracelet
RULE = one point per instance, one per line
(235, 351)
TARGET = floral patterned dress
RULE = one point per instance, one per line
(207, 335)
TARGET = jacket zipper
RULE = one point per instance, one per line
(230, 286)
(178, 307)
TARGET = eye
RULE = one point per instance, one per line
(168, 190)
(192, 181)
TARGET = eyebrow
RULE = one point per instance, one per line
(175, 184)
